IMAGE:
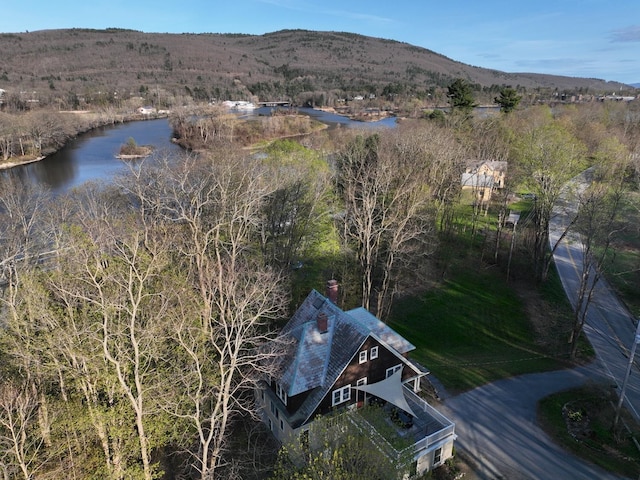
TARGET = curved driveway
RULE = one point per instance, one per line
(496, 423)
(497, 429)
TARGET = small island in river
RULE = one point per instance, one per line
(131, 150)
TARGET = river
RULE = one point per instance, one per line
(91, 156)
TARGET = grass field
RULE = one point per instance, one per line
(472, 330)
(624, 273)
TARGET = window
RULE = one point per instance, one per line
(362, 381)
(437, 456)
(363, 357)
(374, 353)
(273, 407)
(281, 425)
(392, 370)
(270, 425)
(281, 392)
(341, 395)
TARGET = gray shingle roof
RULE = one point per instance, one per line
(317, 359)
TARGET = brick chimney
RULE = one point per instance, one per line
(323, 322)
(332, 291)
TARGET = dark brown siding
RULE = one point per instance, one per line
(293, 403)
(375, 371)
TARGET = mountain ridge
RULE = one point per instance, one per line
(283, 63)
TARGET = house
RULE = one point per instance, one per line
(484, 177)
(338, 361)
(146, 110)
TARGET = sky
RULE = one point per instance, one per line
(577, 38)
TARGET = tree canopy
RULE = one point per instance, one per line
(508, 99)
(460, 96)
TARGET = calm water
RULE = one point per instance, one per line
(332, 119)
(91, 157)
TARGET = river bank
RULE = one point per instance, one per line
(90, 121)
(20, 161)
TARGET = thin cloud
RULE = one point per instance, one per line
(628, 34)
(358, 16)
(310, 8)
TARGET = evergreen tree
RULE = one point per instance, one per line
(508, 99)
(461, 96)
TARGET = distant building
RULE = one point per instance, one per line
(146, 110)
(484, 177)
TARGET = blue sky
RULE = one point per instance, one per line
(580, 38)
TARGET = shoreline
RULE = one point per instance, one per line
(20, 161)
(7, 165)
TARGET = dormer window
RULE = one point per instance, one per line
(362, 358)
(282, 393)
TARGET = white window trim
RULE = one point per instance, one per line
(362, 357)
(374, 353)
(392, 370)
(361, 381)
(437, 457)
(281, 392)
(341, 395)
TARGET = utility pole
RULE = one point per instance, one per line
(514, 217)
(632, 354)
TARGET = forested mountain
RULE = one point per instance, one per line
(285, 64)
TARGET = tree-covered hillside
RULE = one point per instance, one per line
(69, 67)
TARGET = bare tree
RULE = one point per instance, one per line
(548, 157)
(92, 328)
(599, 207)
(389, 217)
(22, 208)
(219, 329)
(21, 448)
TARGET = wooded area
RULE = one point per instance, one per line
(133, 350)
(91, 69)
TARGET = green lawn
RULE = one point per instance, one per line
(624, 272)
(472, 330)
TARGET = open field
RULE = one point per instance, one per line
(475, 329)
(624, 273)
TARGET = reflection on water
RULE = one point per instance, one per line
(91, 156)
(332, 119)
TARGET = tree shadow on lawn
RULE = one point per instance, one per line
(475, 328)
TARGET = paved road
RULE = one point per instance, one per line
(609, 326)
(496, 424)
(497, 429)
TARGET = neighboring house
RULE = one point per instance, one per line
(338, 361)
(484, 177)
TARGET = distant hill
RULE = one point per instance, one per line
(268, 67)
